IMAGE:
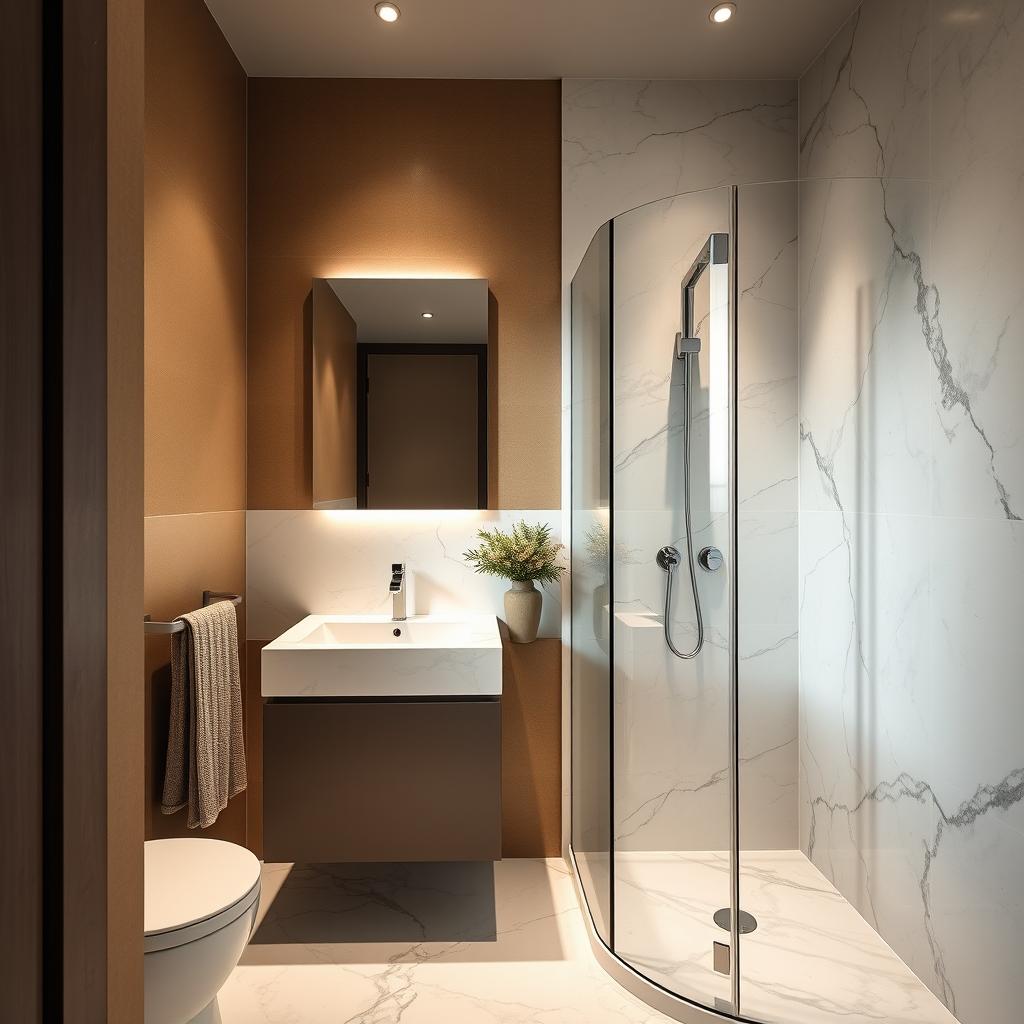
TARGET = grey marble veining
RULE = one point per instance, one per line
(432, 943)
(912, 487)
(864, 101)
(977, 222)
(812, 959)
(625, 143)
(423, 944)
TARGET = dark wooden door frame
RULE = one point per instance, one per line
(53, 302)
(82, 539)
(21, 510)
(366, 349)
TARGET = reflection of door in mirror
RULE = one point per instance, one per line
(422, 426)
(418, 438)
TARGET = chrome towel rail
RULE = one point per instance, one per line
(209, 597)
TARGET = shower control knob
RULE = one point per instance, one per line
(668, 558)
(710, 559)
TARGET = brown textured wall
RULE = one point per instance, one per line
(531, 748)
(195, 235)
(390, 177)
(185, 555)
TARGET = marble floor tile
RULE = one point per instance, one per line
(812, 959)
(423, 944)
(506, 944)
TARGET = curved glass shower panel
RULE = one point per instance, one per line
(673, 821)
(591, 579)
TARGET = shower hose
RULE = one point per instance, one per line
(668, 557)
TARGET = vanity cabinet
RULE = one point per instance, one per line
(400, 779)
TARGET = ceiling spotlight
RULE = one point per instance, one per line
(722, 13)
(427, 316)
(387, 12)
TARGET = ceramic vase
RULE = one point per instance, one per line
(522, 612)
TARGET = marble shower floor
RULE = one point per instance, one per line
(812, 960)
(506, 944)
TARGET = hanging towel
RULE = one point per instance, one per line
(205, 755)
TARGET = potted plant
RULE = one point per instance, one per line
(525, 555)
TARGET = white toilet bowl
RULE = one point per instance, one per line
(201, 901)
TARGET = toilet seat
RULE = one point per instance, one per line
(194, 887)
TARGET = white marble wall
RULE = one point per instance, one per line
(339, 562)
(626, 144)
(912, 486)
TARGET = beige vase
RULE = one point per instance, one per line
(522, 612)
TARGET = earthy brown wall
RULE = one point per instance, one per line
(531, 748)
(402, 177)
(194, 347)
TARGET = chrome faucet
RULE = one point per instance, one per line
(397, 589)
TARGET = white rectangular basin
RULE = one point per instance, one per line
(373, 656)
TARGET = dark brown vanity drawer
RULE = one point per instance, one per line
(382, 780)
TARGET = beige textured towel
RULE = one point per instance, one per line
(205, 755)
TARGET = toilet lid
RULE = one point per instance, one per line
(190, 880)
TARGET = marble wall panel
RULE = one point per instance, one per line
(625, 143)
(864, 101)
(912, 487)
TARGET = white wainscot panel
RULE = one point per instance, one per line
(339, 562)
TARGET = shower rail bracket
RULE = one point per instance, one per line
(686, 346)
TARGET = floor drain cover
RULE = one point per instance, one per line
(723, 918)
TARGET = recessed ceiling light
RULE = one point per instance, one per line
(388, 12)
(427, 316)
(721, 13)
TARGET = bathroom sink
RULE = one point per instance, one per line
(373, 656)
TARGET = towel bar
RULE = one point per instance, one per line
(209, 597)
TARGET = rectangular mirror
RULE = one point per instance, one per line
(399, 393)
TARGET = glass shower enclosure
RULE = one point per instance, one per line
(683, 549)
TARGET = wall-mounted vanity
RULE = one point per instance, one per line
(382, 739)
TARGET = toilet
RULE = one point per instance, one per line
(201, 898)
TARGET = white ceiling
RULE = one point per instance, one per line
(528, 38)
(390, 309)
